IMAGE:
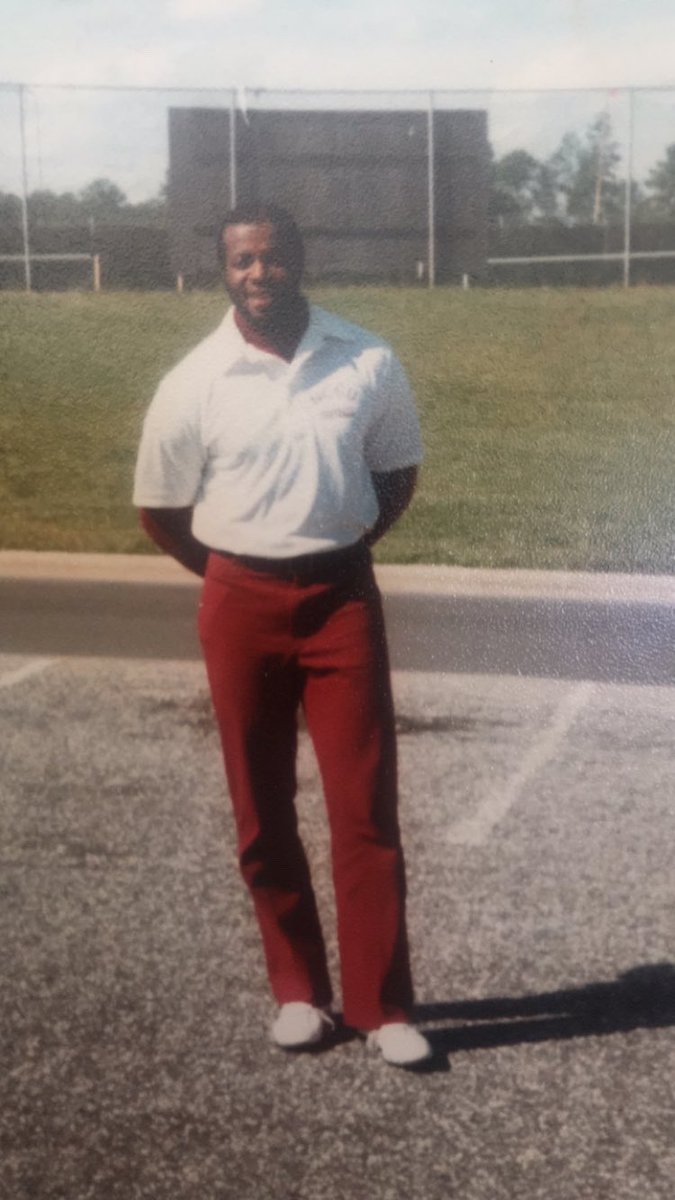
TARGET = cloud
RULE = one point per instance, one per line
(350, 43)
(140, 65)
(146, 66)
(635, 55)
(200, 10)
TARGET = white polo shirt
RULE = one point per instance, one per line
(275, 457)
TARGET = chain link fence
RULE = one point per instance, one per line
(581, 183)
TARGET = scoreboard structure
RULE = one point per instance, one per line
(381, 197)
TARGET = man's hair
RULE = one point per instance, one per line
(260, 212)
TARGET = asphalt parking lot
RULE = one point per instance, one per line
(538, 818)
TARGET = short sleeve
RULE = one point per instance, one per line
(393, 440)
(171, 458)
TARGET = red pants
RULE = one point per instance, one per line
(314, 638)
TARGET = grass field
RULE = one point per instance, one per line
(548, 416)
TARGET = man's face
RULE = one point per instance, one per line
(261, 277)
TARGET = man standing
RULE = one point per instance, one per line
(272, 457)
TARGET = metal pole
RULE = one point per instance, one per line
(628, 199)
(233, 149)
(24, 192)
(431, 198)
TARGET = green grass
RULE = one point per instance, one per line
(548, 416)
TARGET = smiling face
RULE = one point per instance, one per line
(262, 274)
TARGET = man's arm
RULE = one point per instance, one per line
(394, 491)
(170, 529)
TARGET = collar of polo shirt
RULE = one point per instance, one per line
(234, 348)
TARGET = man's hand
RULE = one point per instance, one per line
(394, 491)
(171, 530)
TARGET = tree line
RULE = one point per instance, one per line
(100, 202)
(579, 184)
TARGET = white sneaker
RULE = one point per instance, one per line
(399, 1044)
(300, 1024)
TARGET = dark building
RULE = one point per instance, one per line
(357, 183)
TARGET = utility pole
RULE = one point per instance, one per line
(431, 194)
(628, 199)
(24, 191)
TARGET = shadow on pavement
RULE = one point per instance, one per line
(642, 998)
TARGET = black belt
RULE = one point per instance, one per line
(323, 565)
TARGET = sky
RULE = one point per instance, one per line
(445, 45)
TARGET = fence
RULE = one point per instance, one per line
(585, 180)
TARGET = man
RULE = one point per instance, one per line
(272, 457)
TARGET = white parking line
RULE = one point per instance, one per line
(474, 830)
(35, 667)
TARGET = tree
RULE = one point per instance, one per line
(661, 182)
(102, 199)
(546, 198)
(514, 184)
(100, 202)
(522, 190)
(583, 173)
(146, 212)
(52, 208)
(10, 211)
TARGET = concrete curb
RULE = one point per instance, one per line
(394, 579)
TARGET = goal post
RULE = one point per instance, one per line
(93, 259)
